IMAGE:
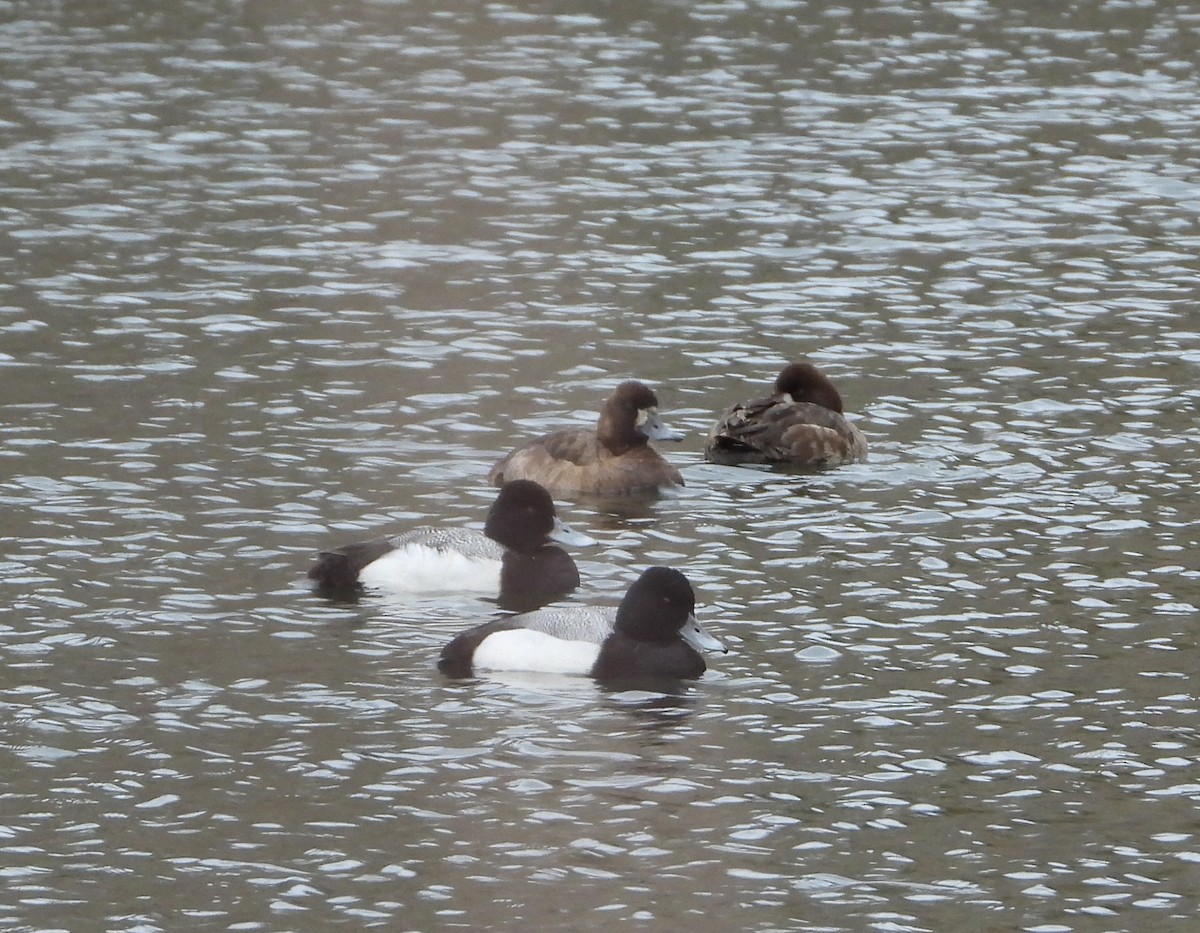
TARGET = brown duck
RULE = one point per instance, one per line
(614, 459)
(801, 424)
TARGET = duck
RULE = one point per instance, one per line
(801, 423)
(653, 633)
(512, 560)
(614, 459)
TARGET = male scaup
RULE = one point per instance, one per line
(511, 559)
(800, 424)
(652, 633)
(615, 458)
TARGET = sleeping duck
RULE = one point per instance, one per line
(511, 560)
(614, 459)
(800, 424)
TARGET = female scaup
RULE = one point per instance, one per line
(615, 458)
(512, 559)
(800, 424)
(652, 633)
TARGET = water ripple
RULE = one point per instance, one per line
(278, 277)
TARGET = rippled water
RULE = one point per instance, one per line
(278, 275)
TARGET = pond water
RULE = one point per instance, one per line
(283, 275)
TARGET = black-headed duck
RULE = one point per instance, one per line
(653, 633)
(511, 560)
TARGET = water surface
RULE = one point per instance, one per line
(280, 276)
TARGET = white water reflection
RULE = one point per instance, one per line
(278, 274)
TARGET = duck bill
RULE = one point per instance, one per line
(693, 633)
(658, 430)
(565, 534)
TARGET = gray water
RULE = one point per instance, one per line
(279, 275)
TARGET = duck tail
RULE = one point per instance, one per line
(339, 569)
